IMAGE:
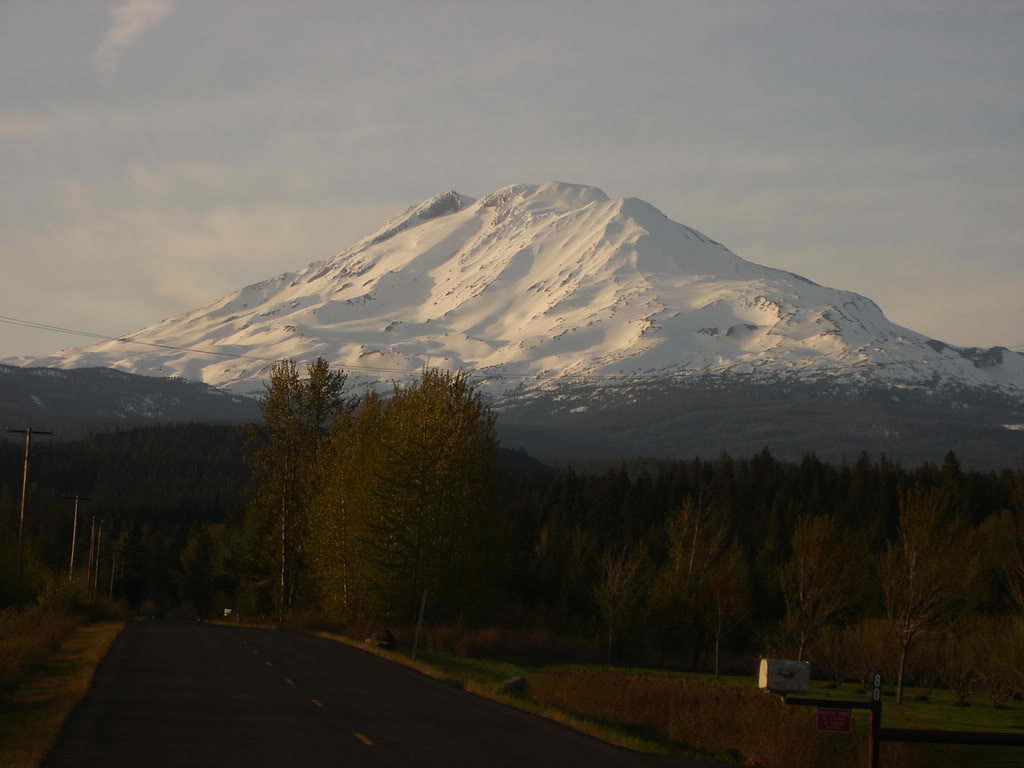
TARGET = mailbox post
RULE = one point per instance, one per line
(786, 680)
(874, 734)
(787, 677)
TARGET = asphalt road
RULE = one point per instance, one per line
(193, 695)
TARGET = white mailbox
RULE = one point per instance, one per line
(784, 676)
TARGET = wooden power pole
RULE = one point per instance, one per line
(27, 432)
(96, 565)
(74, 533)
(92, 555)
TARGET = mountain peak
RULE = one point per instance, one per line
(553, 196)
(431, 208)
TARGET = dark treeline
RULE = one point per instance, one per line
(858, 567)
(348, 509)
(150, 487)
(184, 472)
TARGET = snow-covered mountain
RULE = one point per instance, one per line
(535, 286)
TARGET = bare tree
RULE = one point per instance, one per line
(696, 536)
(917, 571)
(816, 582)
(702, 531)
(725, 594)
(621, 580)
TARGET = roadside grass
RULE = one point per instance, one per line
(33, 711)
(27, 638)
(937, 712)
(696, 716)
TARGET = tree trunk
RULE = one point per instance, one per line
(718, 637)
(899, 675)
(284, 550)
(718, 632)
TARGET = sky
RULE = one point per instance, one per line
(156, 154)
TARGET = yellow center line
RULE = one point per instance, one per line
(317, 703)
(363, 738)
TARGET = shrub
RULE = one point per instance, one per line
(510, 643)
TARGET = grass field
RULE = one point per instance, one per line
(33, 710)
(693, 715)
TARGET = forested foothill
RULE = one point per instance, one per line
(341, 509)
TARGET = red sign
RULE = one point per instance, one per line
(835, 720)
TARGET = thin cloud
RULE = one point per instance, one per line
(131, 20)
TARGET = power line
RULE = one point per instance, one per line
(124, 339)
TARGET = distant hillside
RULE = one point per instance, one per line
(78, 401)
(586, 423)
(835, 422)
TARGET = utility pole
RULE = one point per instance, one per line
(96, 569)
(419, 625)
(92, 554)
(113, 570)
(74, 534)
(27, 432)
